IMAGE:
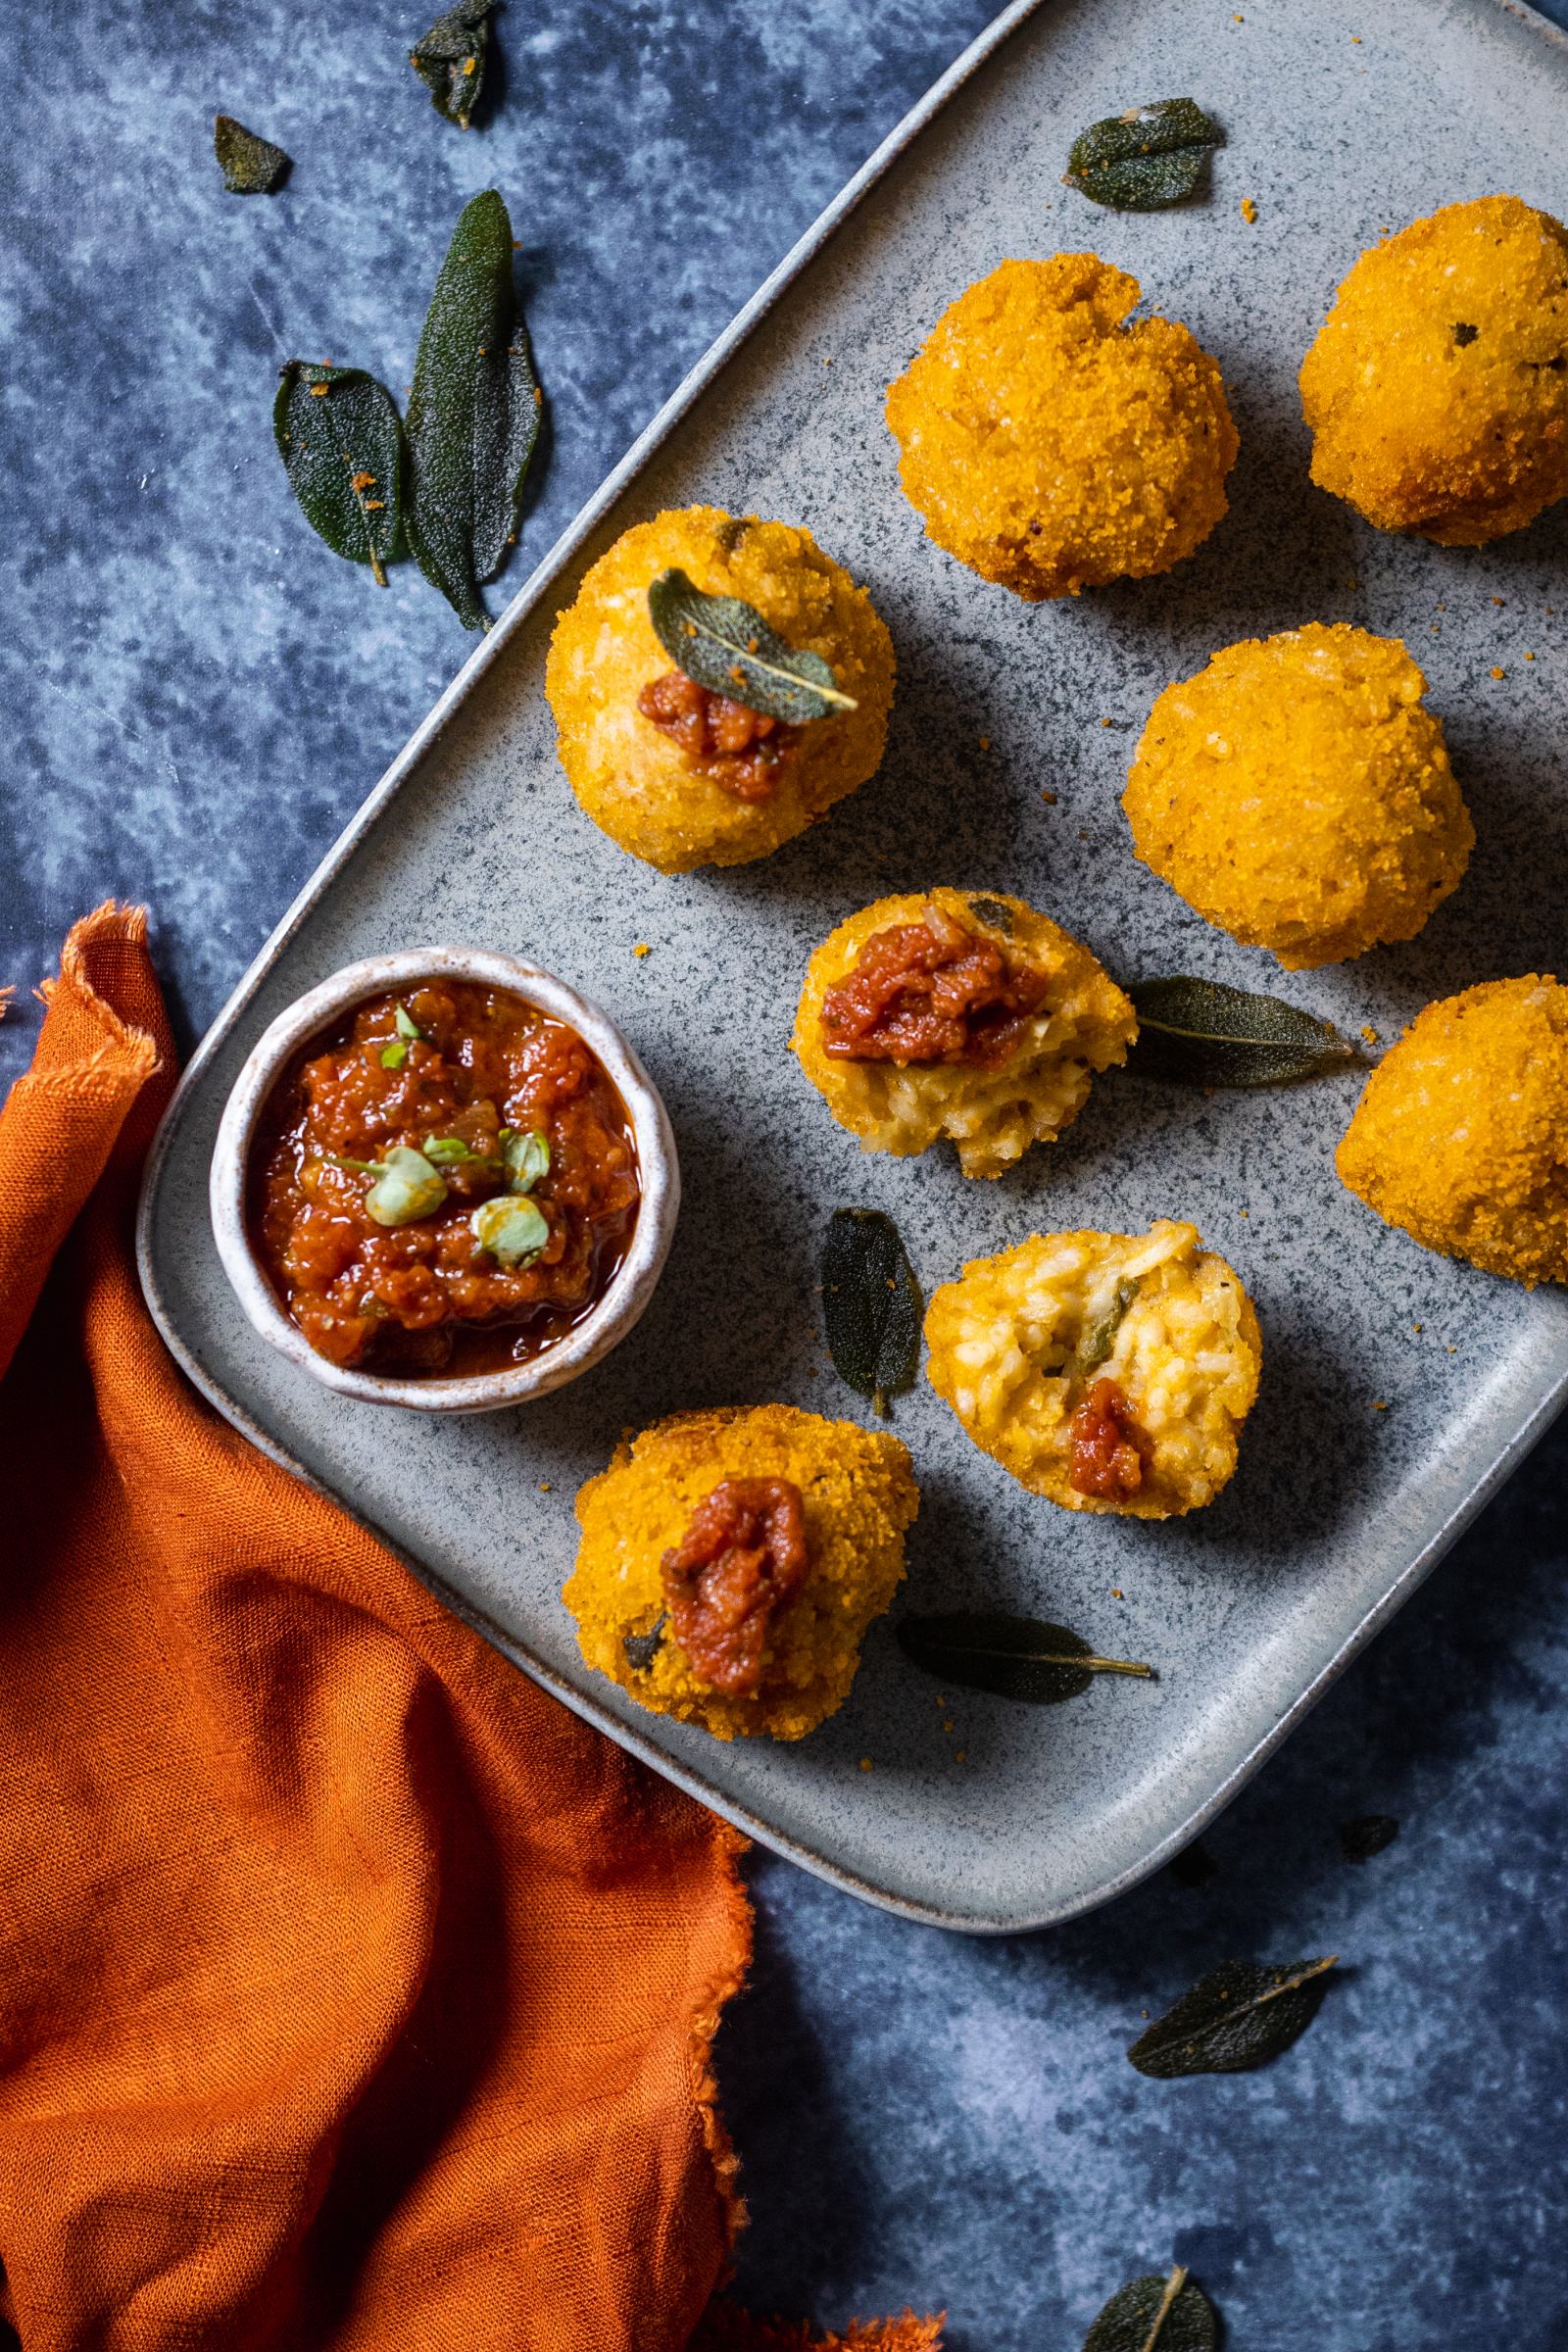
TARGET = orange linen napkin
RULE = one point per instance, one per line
(351, 1992)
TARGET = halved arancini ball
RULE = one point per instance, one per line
(1461, 1134)
(678, 775)
(1107, 1371)
(1437, 388)
(732, 1560)
(1297, 794)
(1051, 446)
(957, 1013)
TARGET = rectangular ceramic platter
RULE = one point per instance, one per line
(1250, 1608)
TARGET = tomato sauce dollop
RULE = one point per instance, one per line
(931, 991)
(426, 1296)
(743, 750)
(1108, 1451)
(741, 1562)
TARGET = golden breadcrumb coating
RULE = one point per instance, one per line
(1437, 388)
(1051, 447)
(630, 777)
(1461, 1136)
(859, 1495)
(1297, 794)
(991, 1112)
(1007, 1347)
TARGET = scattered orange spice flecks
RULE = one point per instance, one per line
(1530, 657)
(985, 740)
(865, 1763)
(642, 947)
(1497, 672)
(1049, 798)
(1249, 211)
(1369, 1033)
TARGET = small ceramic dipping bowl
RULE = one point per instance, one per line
(632, 1285)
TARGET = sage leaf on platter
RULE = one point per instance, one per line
(1237, 2018)
(450, 59)
(251, 165)
(473, 414)
(1366, 1835)
(727, 647)
(339, 437)
(871, 1304)
(1146, 158)
(1013, 1657)
(1205, 1033)
(1155, 2315)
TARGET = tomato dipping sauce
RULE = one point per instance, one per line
(445, 1182)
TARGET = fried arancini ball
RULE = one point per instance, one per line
(1461, 1135)
(732, 1560)
(1107, 1371)
(1437, 389)
(1297, 794)
(1052, 447)
(953, 1013)
(703, 783)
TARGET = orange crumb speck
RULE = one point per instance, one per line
(1530, 657)
(1117, 1593)
(374, 506)
(1369, 1033)
(544, 1486)
(985, 740)
(319, 391)
(1108, 722)
(1249, 211)
(642, 947)
(1049, 798)
(865, 1763)
(961, 1755)
(1380, 1404)
(1498, 674)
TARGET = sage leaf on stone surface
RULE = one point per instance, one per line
(724, 645)
(251, 165)
(1366, 1835)
(1155, 2315)
(1013, 1657)
(341, 443)
(871, 1304)
(1205, 1033)
(1239, 2017)
(450, 59)
(1149, 157)
(473, 414)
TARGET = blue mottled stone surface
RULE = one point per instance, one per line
(195, 699)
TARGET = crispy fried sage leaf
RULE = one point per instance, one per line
(1239, 2017)
(721, 643)
(1155, 2315)
(251, 166)
(1366, 1835)
(473, 414)
(995, 913)
(338, 434)
(871, 1304)
(641, 1649)
(1204, 1033)
(1015, 1657)
(450, 59)
(1150, 156)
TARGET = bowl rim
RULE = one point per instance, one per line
(609, 1319)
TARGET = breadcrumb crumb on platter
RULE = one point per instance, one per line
(1248, 1605)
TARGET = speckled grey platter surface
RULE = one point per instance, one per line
(1397, 1388)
